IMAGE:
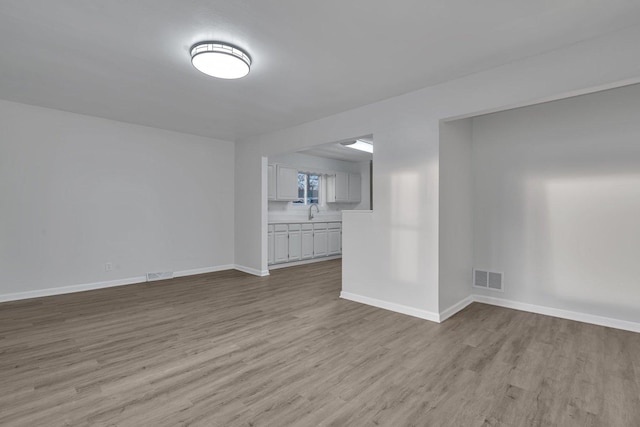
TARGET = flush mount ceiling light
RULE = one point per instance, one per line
(360, 144)
(220, 60)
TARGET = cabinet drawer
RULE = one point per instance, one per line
(294, 227)
(270, 228)
(281, 227)
(320, 226)
(334, 225)
(307, 226)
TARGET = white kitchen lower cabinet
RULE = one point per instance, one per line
(271, 245)
(295, 242)
(281, 237)
(303, 242)
(333, 237)
(319, 239)
(281, 243)
(307, 242)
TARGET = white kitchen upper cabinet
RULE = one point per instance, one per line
(295, 242)
(281, 244)
(342, 187)
(287, 183)
(355, 187)
(271, 180)
(338, 187)
(334, 243)
(307, 244)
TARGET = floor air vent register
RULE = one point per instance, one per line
(488, 280)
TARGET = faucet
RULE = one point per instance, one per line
(311, 210)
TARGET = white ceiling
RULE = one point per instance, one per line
(337, 151)
(128, 60)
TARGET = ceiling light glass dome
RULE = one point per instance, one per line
(220, 60)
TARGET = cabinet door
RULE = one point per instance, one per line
(295, 245)
(334, 242)
(271, 181)
(287, 183)
(330, 185)
(342, 187)
(272, 248)
(307, 244)
(355, 187)
(319, 243)
(281, 247)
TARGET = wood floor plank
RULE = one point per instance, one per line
(230, 349)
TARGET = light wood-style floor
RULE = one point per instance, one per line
(228, 349)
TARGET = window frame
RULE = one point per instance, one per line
(304, 201)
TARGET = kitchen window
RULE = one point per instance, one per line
(308, 189)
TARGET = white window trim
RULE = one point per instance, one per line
(321, 202)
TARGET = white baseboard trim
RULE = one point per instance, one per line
(459, 306)
(455, 308)
(398, 308)
(250, 270)
(204, 270)
(101, 285)
(303, 262)
(563, 314)
(71, 289)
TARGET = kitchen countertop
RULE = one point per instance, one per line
(301, 221)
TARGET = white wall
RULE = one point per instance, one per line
(390, 257)
(304, 162)
(77, 192)
(365, 176)
(391, 254)
(557, 202)
(251, 209)
(456, 213)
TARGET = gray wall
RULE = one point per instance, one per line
(456, 213)
(77, 192)
(557, 202)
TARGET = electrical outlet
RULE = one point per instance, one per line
(108, 266)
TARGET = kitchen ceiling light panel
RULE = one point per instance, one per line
(360, 145)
